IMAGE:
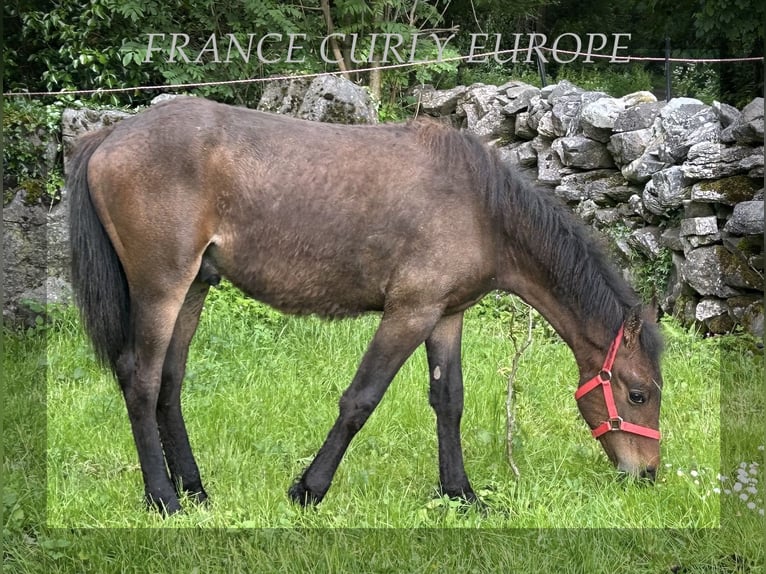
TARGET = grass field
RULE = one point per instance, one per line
(260, 396)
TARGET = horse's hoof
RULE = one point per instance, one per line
(302, 495)
(197, 496)
(166, 505)
(464, 494)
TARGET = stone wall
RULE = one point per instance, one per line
(36, 233)
(676, 186)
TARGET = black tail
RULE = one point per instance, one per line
(98, 279)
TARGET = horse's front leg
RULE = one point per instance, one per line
(397, 337)
(446, 398)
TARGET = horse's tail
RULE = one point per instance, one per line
(98, 279)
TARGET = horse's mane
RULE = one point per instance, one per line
(544, 231)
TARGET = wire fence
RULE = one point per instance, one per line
(474, 57)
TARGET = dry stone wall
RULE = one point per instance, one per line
(676, 186)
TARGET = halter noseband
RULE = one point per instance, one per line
(604, 379)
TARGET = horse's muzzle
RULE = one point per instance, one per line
(647, 474)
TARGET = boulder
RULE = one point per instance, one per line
(439, 102)
(748, 127)
(646, 240)
(711, 160)
(336, 100)
(584, 153)
(598, 118)
(746, 219)
(681, 121)
(638, 117)
(727, 191)
(626, 147)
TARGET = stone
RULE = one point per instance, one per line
(584, 153)
(484, 97)
(710, 307)
(710, 160)
(491, 125)
(523, 154)
(649, 199)
(638, 98)
(726, 114)
(76, 122)
(586, 210)
(439, 102)
(284, 96)
(698, 226)
(636, 205)
(638, 117)
(602, 113)
(748, 128)
(671, 187)
(521, 127)
(545, 126)
(671, 239)
(746, 219)
(334, 99)
(727, 191)
(607, 216)
(25, 257)
(737, 272)
(697, 209)
(640, 170)
(703, 270)
(628, 146)
(748, 311)
(555, 91)
(564, 115)
(753, 164)
(716, 317)
(592, 185)
(647, 241)
(520, 98)
(550, 170)
(680, 118)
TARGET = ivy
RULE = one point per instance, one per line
(31, 150)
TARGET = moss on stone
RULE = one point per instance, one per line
(735, 189)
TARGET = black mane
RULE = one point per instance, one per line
(549, 235)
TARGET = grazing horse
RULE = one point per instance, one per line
(416, 221)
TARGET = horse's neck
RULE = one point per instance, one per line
(578, 331)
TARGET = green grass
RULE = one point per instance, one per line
(260, 396)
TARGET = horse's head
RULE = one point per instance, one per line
(621, 402)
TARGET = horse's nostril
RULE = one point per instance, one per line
(649, 473)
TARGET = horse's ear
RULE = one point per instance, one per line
(633, 323)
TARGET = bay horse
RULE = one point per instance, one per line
(416, 221)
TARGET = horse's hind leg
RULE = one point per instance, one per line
(446, 398)
(139, 371)
(184, 473)
(397, 337)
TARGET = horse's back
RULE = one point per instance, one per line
(309, 217)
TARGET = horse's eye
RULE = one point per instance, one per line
(636, 397)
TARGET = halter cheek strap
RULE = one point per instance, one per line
(604, 380)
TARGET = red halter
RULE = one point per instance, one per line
(604, 378)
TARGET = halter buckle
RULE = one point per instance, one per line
(615, 423)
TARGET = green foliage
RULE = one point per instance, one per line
(649, 276)
(700, 81)
(616, 80)
(31, 150)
